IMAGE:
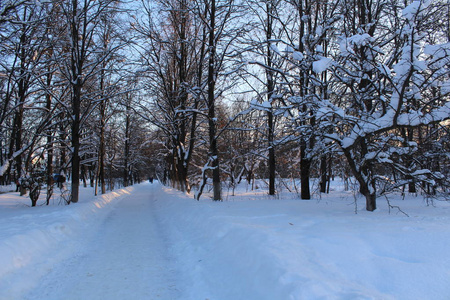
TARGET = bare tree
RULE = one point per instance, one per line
(223, 28)
(83, 19)
(172, 53)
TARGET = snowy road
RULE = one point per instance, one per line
(125, 259)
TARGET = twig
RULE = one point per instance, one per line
(394, 206)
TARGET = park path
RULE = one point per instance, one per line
(126, 259)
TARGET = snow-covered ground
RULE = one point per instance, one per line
(152, 242)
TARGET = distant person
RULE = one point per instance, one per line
(150, 179)
(59, 179)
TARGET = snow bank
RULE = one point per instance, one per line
(292, 249)
(32, 235)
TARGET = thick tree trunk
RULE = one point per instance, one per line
(305, 162)
(371, 202)
(305, 166)
(270, 90)
(18, 117)
(370, 196)
(271, 146)
(76, 144)
(126, 180)
(412, 187)
(101, 154)
(63, 155)
(363, 175)
(213, 151)
(272, 165)
(216, 172)
(49, 146)
(16, 143)
(182, 163)
(181, 177)
(323, 174)
(78, 34)
(23, 84)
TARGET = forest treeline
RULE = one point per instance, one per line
(203, 93)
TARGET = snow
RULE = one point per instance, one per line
(297, 55)
(347, 44)
(288, 49)
(29, 233)
(411, 10)
(322, 65)
(384, 70)
(415, 8)
(153, 242)
(265, 106)
(275, 49)
(402, 68)
(4, 167)
(445, 87)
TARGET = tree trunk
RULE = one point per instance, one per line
(323, 174)
(101, 150)
(76, 144)
(49, 145)
(371, 203)
(182, 163)
(78, 52)
(363, 175)
(270, 90)
(126, 179)
(84, 175)
(272, 165)
(213, 151)
(370, 196)
(305, 166)
(18, 117)
(305, 162)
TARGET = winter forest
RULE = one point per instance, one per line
(204, 94)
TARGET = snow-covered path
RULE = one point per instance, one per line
(153, 242)
(125, 259)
